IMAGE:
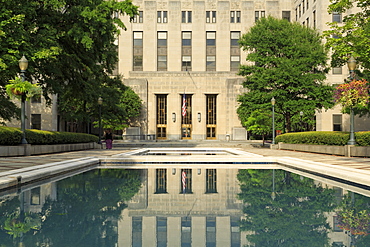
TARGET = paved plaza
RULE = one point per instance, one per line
(353, 169)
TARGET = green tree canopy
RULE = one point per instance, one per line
(70, 46)
(352, 36)
(259, 123)
(286, 61)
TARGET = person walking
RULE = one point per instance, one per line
(108, 139)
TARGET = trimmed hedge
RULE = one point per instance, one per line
(12, 136)
(335, 138)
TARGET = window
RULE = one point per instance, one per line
(211, 51)
(138, 51)
(186, 231)
(35, 196)
(234, 16)
(138, 18)
(210, 231)
(211, 181)
(307, 4)
(259, 14)
(314, 18)
(235, 231)
(300, 13)
(210, 16)
(337, 122)
(234, 51)
(36, 121)
(186, 50)
(186, 181)
(161, 16)
(161, 181)
(337, 17)
(303, 6)
(161, 116)
(162, 51)
(337, 70)
(211, 116)
(286, 15)
(137, 230)
(161, 231)
(186, 16)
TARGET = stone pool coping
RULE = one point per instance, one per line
(240, 160)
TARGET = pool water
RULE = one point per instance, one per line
(185, 207)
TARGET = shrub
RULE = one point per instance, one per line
(335, 138)
(12, 136)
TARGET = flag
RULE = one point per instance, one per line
(183, 180)
(183, 112)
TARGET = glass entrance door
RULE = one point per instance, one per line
(211, 116)
(161, 116)
(186, 119)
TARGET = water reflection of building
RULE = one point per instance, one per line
(207, 214)
(34, 198)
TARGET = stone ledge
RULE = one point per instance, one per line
(28, 149)
(347, 150)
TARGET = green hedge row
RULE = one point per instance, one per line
(12, 136)
(335, 138)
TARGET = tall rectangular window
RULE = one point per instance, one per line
(161, 181)
(234, 16)
(234, 51)
(161, 16)
(235, 231)
(314, 19)
(211, 51)
(161, 231)
(35, 196)
(36, 121)
(186, 50)
(258, 15)
(138, 18)
(336, 70)
(286, 15)
(137, 231)
(161, 116)
(210, 16)
(186, 181)
(210, 231)
(337, 122)
(162, 51)
(186, 16)
(138, 51)
(211, 120)
(186, 231)
(211, 181)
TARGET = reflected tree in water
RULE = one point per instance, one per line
(85, 212)
(285, 209)
(354, 218)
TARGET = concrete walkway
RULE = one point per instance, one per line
(342, 165)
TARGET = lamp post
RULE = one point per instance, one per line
(273, 119)
(23, 65)
(273, 194)
(301, 118)
(100, 102)
(351, 66)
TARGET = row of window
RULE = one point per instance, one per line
(186, 16)
(186, 51)
(163, 237)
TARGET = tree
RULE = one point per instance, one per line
(291, 215)
(259, 123)
(352, 37)
(353, 94)
(70, 46)
(288, 62)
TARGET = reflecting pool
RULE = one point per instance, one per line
(185, 207)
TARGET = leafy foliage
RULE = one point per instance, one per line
(70, 47)
(335, 138)
(289, 64)
(353, 93)
(259, 123)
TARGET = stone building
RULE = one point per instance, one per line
(182, 57)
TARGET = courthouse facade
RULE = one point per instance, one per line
(182, 58)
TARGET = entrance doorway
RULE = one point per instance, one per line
(186, 116)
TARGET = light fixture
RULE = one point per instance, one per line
(351, 66)
(23, 63)
(100, 102)
(173, 117)
(173, 171)
(199, 117)
(351, 63)
(199, 171)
